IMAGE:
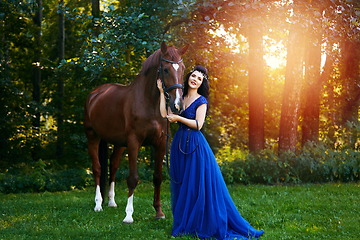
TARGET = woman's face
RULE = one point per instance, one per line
(195, 80)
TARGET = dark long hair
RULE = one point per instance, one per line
(204, 89)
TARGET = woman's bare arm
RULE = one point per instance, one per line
(162, 99)
(200, 117)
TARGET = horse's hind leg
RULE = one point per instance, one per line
(159, 156)
(114, 165)
(93, 149)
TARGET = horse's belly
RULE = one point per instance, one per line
(118, 140)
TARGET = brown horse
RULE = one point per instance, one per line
(129, 116)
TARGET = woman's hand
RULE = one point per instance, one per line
(172, 118)
(200, 117)
(159, 85)
(163, 111)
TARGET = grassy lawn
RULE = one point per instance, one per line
(311, 211)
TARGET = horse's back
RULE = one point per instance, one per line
(107, 93)
(104, 89)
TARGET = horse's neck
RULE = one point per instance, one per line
(146, 86)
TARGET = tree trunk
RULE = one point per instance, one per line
(310, 122)
(61, 55)
(313, 80)
(37, 76)
(4, 54)
(293, 84)
(95, 11)
(256, 89)
(5, 131)
(350, 72)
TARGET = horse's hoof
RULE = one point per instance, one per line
(112, 204)
(162, 217)
(98, 209)
(128, 220)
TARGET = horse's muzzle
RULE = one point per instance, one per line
(177, 107)
(176, 102)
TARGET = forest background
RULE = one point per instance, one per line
(284, 76)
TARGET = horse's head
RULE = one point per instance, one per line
(172, 73)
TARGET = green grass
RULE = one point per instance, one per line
(312, 211)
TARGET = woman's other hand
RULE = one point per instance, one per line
(172, 118)
(159, 86)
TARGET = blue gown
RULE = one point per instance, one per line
(200, 201)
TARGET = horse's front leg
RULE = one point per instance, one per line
(157, 179)
(114, 165)
(93, 148)
(132, 180)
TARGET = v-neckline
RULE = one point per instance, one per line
(192, 102)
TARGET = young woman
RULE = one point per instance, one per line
(200, 201)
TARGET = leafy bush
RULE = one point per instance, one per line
(39, 180)
(315, 163)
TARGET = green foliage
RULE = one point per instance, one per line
(39, 180)
(133, 27)
(314, 163)
(17, 108)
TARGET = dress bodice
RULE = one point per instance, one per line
(190, 111)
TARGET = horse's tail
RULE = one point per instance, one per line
(103, 159)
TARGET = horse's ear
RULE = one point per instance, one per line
(163, 48)
(184, 49)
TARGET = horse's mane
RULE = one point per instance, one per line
(154, 59)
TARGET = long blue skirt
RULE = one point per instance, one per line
(201, 203)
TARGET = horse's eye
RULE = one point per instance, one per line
(166, 71)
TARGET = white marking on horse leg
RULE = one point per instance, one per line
(111, 195)
(98, 199)
(175, 66)
(177, 100)
(129, 210)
